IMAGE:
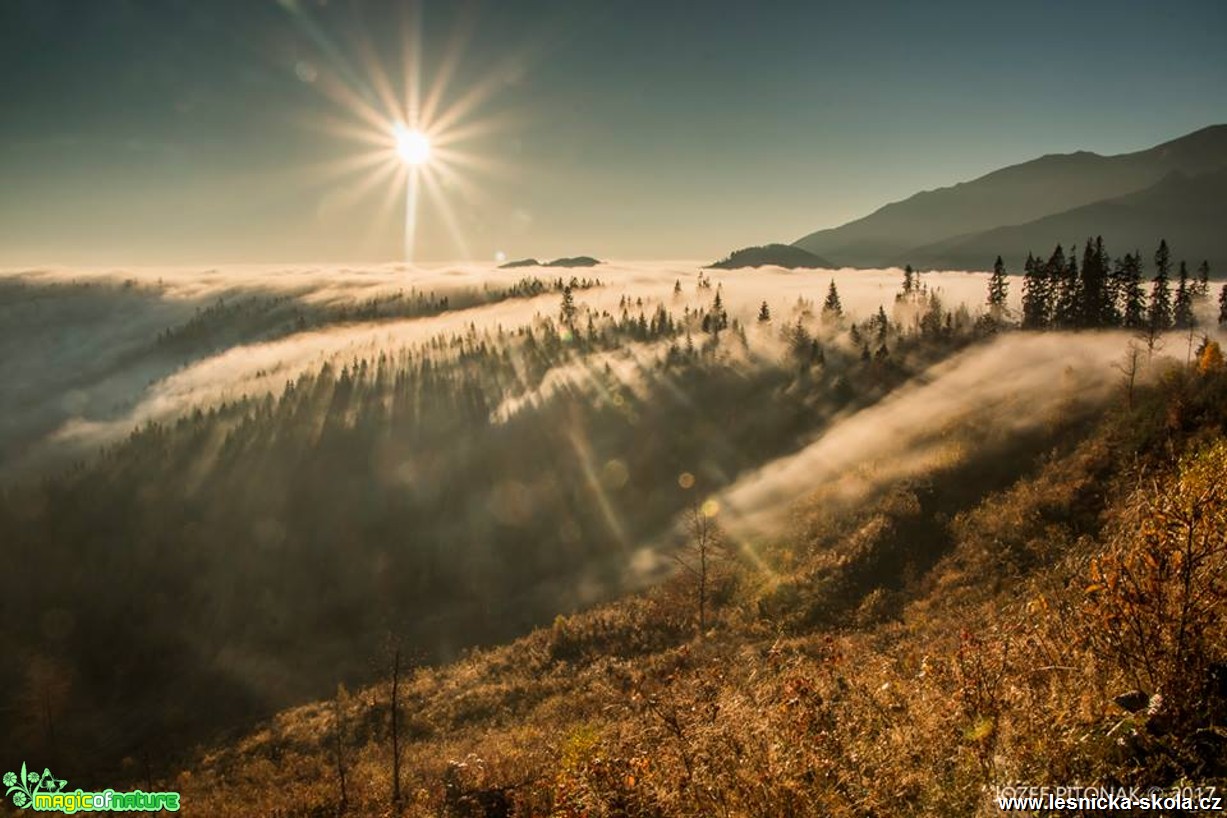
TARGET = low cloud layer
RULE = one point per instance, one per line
(1018, 383)
(82, 367)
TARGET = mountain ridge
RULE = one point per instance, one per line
(1017, 194)
(1187, 211)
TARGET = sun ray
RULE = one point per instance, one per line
(463, 159)
(342, 94)
(367, 183)
(411, 143)
(376, 137)
(388, 205)
(478, 94)
(411, 62)
(342, 83)
(473, 129)
(411, 210)
(331, 169)
(584, 455)
(453, 53)
(447, 179)
(444, 209)
(380, 82)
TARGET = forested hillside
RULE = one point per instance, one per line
(778, 541)
(452, 493)
(1048, 616)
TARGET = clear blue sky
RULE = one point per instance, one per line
(193, 131)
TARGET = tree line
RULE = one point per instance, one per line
(1100, 292)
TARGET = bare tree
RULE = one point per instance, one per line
(1128, 367)
(702, 551)
(1152, 336)
(395, 703)
(338, 748)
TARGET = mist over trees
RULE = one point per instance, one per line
(455, 492)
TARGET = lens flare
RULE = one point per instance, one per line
(413, 139)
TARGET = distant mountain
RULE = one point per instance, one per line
(1190, 212)
(776, 255)
(574, 261)
(1020, 195)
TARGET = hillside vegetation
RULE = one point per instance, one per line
(895, 658)
(649, 553)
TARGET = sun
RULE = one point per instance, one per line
(414, 135)
(412, 146)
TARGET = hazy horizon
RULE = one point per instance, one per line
(232, 133)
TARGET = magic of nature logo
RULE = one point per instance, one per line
(43, 792)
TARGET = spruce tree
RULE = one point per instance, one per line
(1203, 278)
(831, 307)
(1222, 305)
(1096, 308)
(1054, 278)
(1132, 297)
(1160, 315)
(998, 287)
(1182, 310)
(909, 280)
(764, 313)
(1035, 295)
(568, 311)
(1067, 300)
(883, 323)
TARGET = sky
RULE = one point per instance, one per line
(202, 132)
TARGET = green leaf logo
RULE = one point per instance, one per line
(22, 787)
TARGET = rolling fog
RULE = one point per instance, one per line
(82, 370)
(449, 472)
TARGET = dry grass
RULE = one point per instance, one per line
(1000, 664)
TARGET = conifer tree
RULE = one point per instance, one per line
(831, 307)
(1182, 310)
(1035, 295)
(1066, 298)
(764, 313)
(883, 323)
(1222, 305)
(816, 355)
(720, 318)
(1203, 278)
(568, 311)
(1096, 309)
(1131, 296)
(1160, 315)
(800, 342)
(998, 287)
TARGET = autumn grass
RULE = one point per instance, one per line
(832, 689)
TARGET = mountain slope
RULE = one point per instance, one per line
(1190, 212)
(779, 255)
(1014, 195)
